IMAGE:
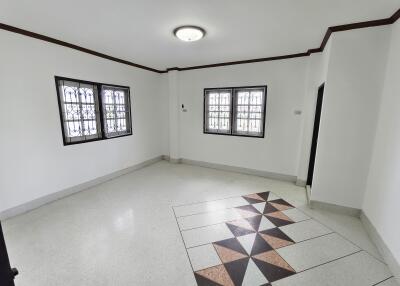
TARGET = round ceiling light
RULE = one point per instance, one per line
(189, 33)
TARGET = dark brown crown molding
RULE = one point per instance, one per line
(329, 31)
(240, 62)
(353, 26)
(72, 46)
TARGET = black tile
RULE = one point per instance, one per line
(271, 271)
(249, 208)
(269, 208)
(237, 270)
(260, 245)
(232, 243)
(237, 230)
(276, 232)
(279, 222)
(254, 221)
(202, 281)
(264, 195)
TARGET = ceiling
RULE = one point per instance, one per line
(141, 30)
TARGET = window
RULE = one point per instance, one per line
(237, 111)
(116, 110)
(92, 111)
(218, 110)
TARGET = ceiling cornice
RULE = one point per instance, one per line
(72, 46)
(333, 29)
(329, 31)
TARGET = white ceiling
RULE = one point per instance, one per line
(141, 30)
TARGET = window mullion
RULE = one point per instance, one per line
(100, 107)
(233, 104)
(115, 113)
(81, 111)
(248, 113)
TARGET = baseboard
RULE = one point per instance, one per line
(23, 208)
(335, 208)
(241, 170)
(165, 157)
(171, 160)
(301, 183)
(384, 250)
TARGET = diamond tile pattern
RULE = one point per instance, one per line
(261, 239)
(249, 257)
(248, 246)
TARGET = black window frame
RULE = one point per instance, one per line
(99, 87)
(232, 111)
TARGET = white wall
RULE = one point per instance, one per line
(34, 162)
(278, 151)
(174, 115)
(352, 66)
(381, 202)
(164, 112)
(317, 70)
(349, 114)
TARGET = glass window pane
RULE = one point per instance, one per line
(217, 110)
(116, 111)
(79, 108)
(248, 110)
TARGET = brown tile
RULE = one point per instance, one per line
(254, 197)
(217, 274)
(281, 204)
(275, 242)
(279, 215)
(228, 255)
(272, 257)
(276, 232)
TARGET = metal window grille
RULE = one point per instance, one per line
(116, 111)
(218, 110)
(80, 112)
(248, 111)
(238, 111)
(87, 116)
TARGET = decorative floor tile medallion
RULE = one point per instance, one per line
(243, 247)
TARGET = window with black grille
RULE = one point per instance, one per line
(92, 111)
(218, 110)
(237, 111)
(116, 111)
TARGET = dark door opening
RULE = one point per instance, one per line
(6, 273)
(315, 135)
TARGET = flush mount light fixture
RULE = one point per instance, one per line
(189, 33)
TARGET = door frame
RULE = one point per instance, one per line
(314, 141)
(7, 274)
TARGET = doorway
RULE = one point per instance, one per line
(314, 142)
(6, 273)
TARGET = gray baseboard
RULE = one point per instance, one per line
(171, 160)
(384, 250)
(241, 170)
(165, 157)
(69, 191)
(301, 183)
(335, 208)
